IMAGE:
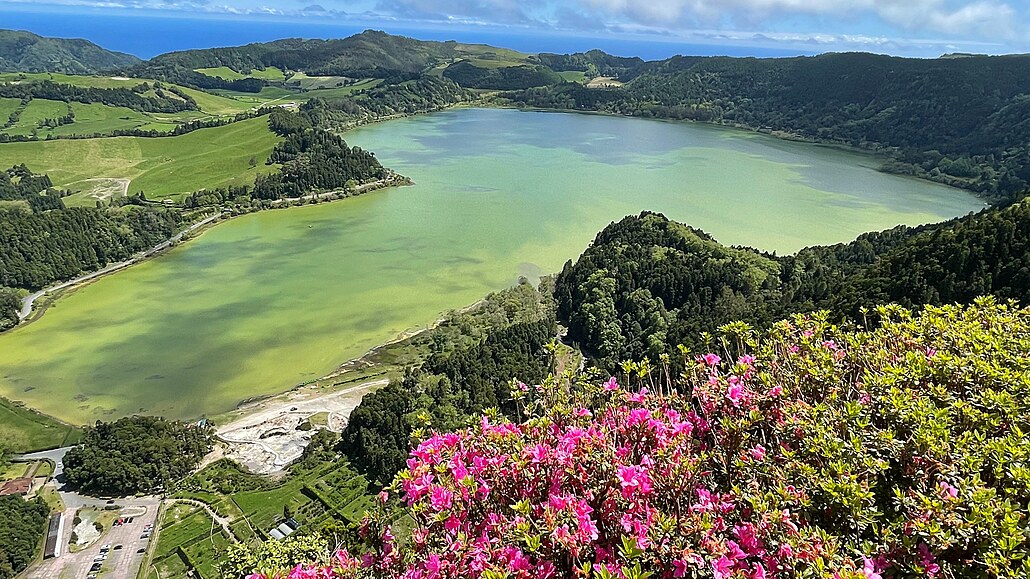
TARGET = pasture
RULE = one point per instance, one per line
(161, 167)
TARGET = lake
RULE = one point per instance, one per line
(263, 302)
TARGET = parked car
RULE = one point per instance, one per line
(116, 547)
(141, 550)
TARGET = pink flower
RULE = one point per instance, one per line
(611, 384)
(947, 490)
(928, 561)
(256, 576)
(440, 498)
(776, 391)
(722, 567)
(634, 479)
(735, 393)
(869, 569)
(537, 453)
(758, 452)
(301, 572)
(759, 572)
(712, 359)
(679, 568)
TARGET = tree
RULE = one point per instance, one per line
(136, 454)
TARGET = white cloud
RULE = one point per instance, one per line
(989, 18)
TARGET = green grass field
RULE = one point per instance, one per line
(102, 119)
(8, 106)
(36, 111)
(187, 531)
(574, 76)
(224, 72)
(24, 430)
(163, 167)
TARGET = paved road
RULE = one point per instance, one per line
(121, 563)
(26, 304)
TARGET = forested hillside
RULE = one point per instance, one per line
(647, 283)
(22, 525)
(474, 359)
(371, 54)
(22, 51)
(894, 450)
(957, 120)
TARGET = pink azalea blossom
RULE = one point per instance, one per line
(712, 359)
(947, 490)
(722, 567)
(758, 452)
(735, 393)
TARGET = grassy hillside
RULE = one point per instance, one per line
(102, 119)
(161, 167)
(25, 430)
(24, 51)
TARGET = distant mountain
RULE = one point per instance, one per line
(22, 51)
(371, 54)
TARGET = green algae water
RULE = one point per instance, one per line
(263, 302)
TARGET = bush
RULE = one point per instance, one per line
(810, 451)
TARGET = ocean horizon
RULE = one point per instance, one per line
(148, 35)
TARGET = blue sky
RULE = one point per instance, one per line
(903, 27)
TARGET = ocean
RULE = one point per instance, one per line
(149, 35)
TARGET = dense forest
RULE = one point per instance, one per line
(371, 54)
(961, 121)
(647, 283)
(130, 98)
(461, 379)
(503, 78)
(426, 94)
(137, 454)
(22, 51)
(313, 159)
(22, 526)
(41, 241)
(38, 249)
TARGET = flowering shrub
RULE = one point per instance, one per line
(812, 451)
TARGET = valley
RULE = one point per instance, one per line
(786, 288)
(216, 316)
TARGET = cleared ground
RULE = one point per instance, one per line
(164, 167)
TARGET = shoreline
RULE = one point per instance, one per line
(28, 314)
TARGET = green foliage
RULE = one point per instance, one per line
(371, 54)
(241, 560)
(22, 51)
(466, 375)
(504, 78)
(22, 525)
(26, 430)
(959, 121)
(136, 454)
(647, 282)
(313, 160)
(426, 94)
(132, 99)
(10, 304)
(38, 249)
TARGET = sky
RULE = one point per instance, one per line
(924, 28)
